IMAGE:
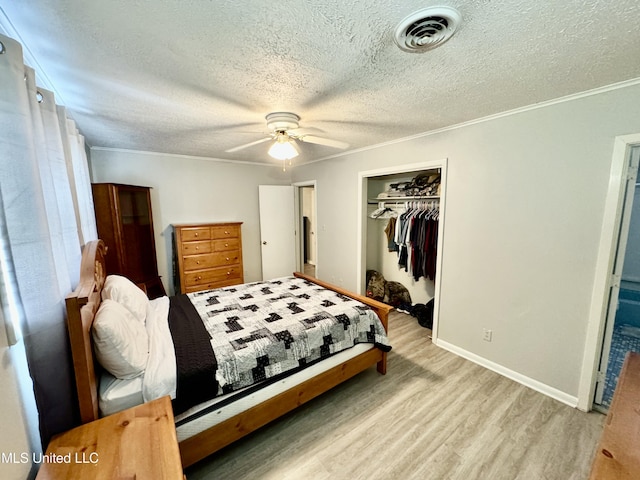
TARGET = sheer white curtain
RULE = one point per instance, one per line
(46, 215)
(79, 180)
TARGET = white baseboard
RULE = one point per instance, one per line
(554, 393)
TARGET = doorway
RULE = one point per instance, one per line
(306, 220)
(622, 327)
(605, 297)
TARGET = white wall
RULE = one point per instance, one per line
(191, 189)
(524, 207)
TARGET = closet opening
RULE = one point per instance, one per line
(401, 238)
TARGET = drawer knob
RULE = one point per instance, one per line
(227, 259)
(196, 234)
(197, 248)
(197, 262)
(198, 278)
(226, 244)
(228, 273)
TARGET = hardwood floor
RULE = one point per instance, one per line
(433, 416)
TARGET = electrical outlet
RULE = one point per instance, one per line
(486, 335)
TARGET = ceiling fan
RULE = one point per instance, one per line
(285, 132)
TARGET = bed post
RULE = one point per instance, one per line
(82, 305)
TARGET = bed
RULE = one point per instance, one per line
(216, 422)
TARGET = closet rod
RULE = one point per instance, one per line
(373, 201)
(393, 204)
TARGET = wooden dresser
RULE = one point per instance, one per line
(207, 255)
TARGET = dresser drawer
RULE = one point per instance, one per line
(225, 231)
(209, 260)
(195, 233)
(213, 285)
(194, 248)
(213, 275)
(226, 244)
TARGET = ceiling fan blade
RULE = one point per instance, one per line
(324, 141)
(246, 145)
(300, 132)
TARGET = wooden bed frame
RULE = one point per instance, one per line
(82, 306)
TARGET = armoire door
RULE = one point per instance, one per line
(137, 234)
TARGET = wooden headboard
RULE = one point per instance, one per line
(82, 306)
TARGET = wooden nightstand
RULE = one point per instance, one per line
(139, 443)
(618, 454)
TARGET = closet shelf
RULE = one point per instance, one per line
(373, 201)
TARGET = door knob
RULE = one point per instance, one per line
(264, 243)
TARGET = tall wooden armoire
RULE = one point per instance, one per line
(125, 224)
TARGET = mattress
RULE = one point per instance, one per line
(116, 394)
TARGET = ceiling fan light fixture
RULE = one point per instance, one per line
(282, 148)
(286, 132)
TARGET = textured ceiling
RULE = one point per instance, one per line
(197, 77)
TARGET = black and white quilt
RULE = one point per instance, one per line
(262, 329)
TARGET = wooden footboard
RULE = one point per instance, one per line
(82, 305)
(213, 439)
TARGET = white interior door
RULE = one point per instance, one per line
(277, 230)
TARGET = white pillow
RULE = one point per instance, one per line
(127, 294)
(121, 342)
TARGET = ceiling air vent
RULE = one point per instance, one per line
(427, 29)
